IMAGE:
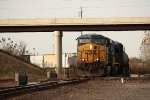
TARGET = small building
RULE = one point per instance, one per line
(68, 60)
(37, 60)
(49, 61)
(25, 58)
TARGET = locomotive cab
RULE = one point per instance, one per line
(91, 53)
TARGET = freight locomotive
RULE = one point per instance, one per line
(99, 55)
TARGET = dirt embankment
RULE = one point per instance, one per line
(9, 65)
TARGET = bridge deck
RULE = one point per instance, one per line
(75, 24)
(74, 21)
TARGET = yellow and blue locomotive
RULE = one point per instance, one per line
(99, 55)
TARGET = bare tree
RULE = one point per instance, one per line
(136, 65)
(145, 50)
(9, 46)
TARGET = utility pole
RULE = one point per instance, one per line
(81, 12)
(81, 15)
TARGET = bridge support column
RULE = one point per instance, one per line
(58, 51)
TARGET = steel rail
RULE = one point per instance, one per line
(18, 90)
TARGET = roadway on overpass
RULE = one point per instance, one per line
(75, 24)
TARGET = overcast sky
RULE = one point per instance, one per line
(43, 42)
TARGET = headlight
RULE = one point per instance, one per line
(90, 46)
(83, 59)
(97, 59)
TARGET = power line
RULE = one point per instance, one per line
(123, 6)
(40, 8)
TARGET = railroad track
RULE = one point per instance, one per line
(125, 79)
(18, 90)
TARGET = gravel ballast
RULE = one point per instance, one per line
(96, 89)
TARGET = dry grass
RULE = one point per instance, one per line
(138, 67)
(9, 65)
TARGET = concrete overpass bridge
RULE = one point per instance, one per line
(73, 24)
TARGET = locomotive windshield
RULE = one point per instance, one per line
(83, 41)
(99, 40)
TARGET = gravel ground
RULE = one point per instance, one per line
(96, 89)
(7, 84)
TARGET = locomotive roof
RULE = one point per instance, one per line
(91, 36)
(95, 36)
(117, 43)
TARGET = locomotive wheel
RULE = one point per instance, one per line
(108, 70)
(126, 71)
(115, 69)
(101, 71)
(90, 69)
